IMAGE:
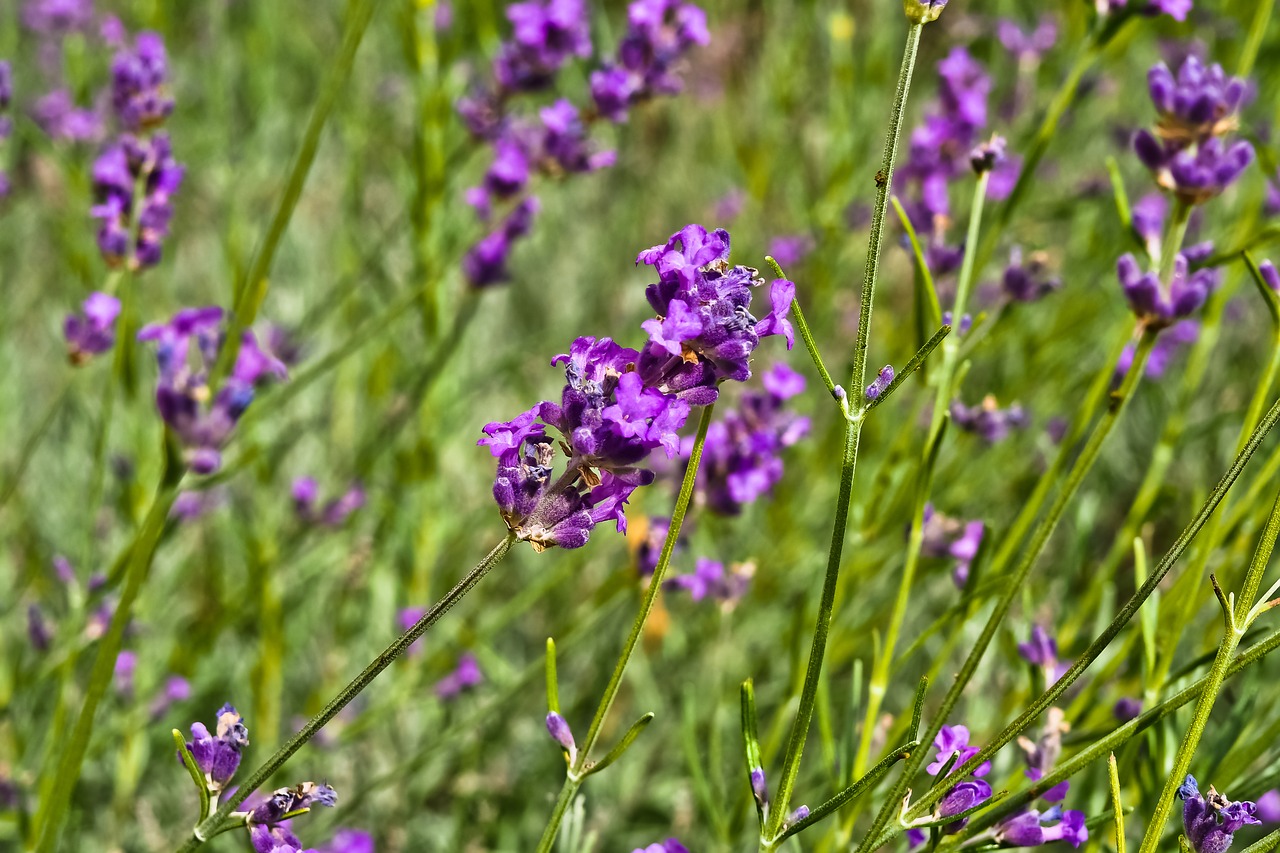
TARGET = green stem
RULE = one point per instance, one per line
(852, 435)
(208, 828)
(1126, 614)
(53, 813)
(945, 389)
(252, 290)
(802, 326)
(1257, 29)
(1079, 469)
(1237, 616)
(33, 441)
(578, 771)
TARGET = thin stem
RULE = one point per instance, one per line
(206, 829)
(852, 434)
(252, 290)
(54, 812)
(802, 326)
(1079, 469)
(1257, 29)
(1130, 609)
(942, 400)
(33, 441)
(576, 773)
(1236, 622)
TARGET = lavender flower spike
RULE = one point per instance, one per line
(558, 728)
(92, 331)
(1155, 304)
(1210, 821)
(218, 754)
(1033, 828)
(139, 84)
(881, 382)
(284, 801)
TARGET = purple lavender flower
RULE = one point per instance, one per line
(649, 547)
(39, 632)
(709, 578)
(796, 816)
(57, 115)
(274, 839)
(558, 728)
(407, 618)
(1193, 175)
(668, 846)
(759, 789)
(116, 174)
(1270, 276)
(303, 796)
(1210, 821)
(139, 83)
(57, 18)
(954, 740)
(1028, 280)
(1043, 753)
(545, 35)
(305, 494)
(464, 676)
(1166, 347)
(1027, 46)
(619, 405)
(988, 420)
(790, 249)
(1158, 305)
(92, 331)
(659, 35)
(1269, 806)
(960, 798)
(182, 392)
(125, 667)
(985, 156)
(218, 754)
(176, 689)
(1041, 650)
(944, 536)
(1033, 828)
(1176, 9)
(351, 840)
(741, 460)
(485, 263)
(882, 381)
(1126, 709)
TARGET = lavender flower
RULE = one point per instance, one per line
(139, 83)
(1166, 347)
(117, 174)
(305, 493)
(6, 126)
(352, 840)
(57, 17)
(668, 846)
(1187, 152)
(1210, 821)
(619, 404)
(1126, 709)
(882, 381)
(988, 420)
(39, 632)
(407, 618)
(709, 578)
(791, 249)
(1033, 828)
(218, 754)
(649, 547)
(1157, 304)
(1027, 46)
(659, 34)
(125, 667)
(545, 35)
(464, 676)
(1042, 754)
(1041, 650)
(1029, 280)
(57, 115)
(953, 742)
(759, 789)
(285, 801)
(1269, 806)
(1270, 276)
(944, 536)
(182, 393)
(558, 728)
(741, 460)
(92, 331)
(176, 689)
(485, 263)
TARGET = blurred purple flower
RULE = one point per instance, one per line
(1027, 46)
(668, 846)
(337, 510)
(1028, 280)
(709, 578)
(92, 331)
(57, 115)
(176, 689)
(125, 667)
(57, 18)
(39, 631)
(117, 172)
(1269, 806)
(988, 420)
(464, 676)
(659, 35)
(139, 83)
(350, 840)
(1032, 828)
(1157, 304)
(407, 618)
(1126, 709)
(1166, 347)
(791, 249)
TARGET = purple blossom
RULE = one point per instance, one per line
(659, 35)
(1157, 304)
(57, 18)
(39, 632)
(709, 578)
(92, 331)
(1269, 806)
(485, 263)
(882, 381)
(6, 87)
(1027, 46)
(944, 536)
(1270, 277)
(954, 740)
(218, 754)
(1033, 828)
(1179, 335)
(1199, 103)
(649, 547)
(1148, 220)
(304, 795)
(668, 846)
(116, 175)
(407, 618)
(1041, 650)
(125, 667)
(464, 676)
(352, 840)
(988, 420)
(57, 115)
(175, 689)
(1028, 280)
(139, 83)
(545, 35)
(1126, 708)
(560, 732)
(182, 392)
(741, 459)
(790, 249)
(759, 788)
(274, 839)
(1210, 821)
(1042, 754)
(305, 492)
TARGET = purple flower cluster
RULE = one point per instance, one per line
(1179, 335)
(133, 182)
(741, 459)
(952, 742)
(92, 331)
(1027, 280)
(1032, 828)
(57, 115)
(57, 17)
(884, 378)
(306, 494)
(1188, 152)
(139, 84)
(710, 579)
(1176, 9)
(1210, 821)
(1027, 46)
(987, 419)
(547, 34)
(465, 675)
(1042, 650)
(182, 392)
(619, 404)
(286, 801)
(671, 845)
(353, 840)
(218, 754)
(1161, 305)
(948, 537)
